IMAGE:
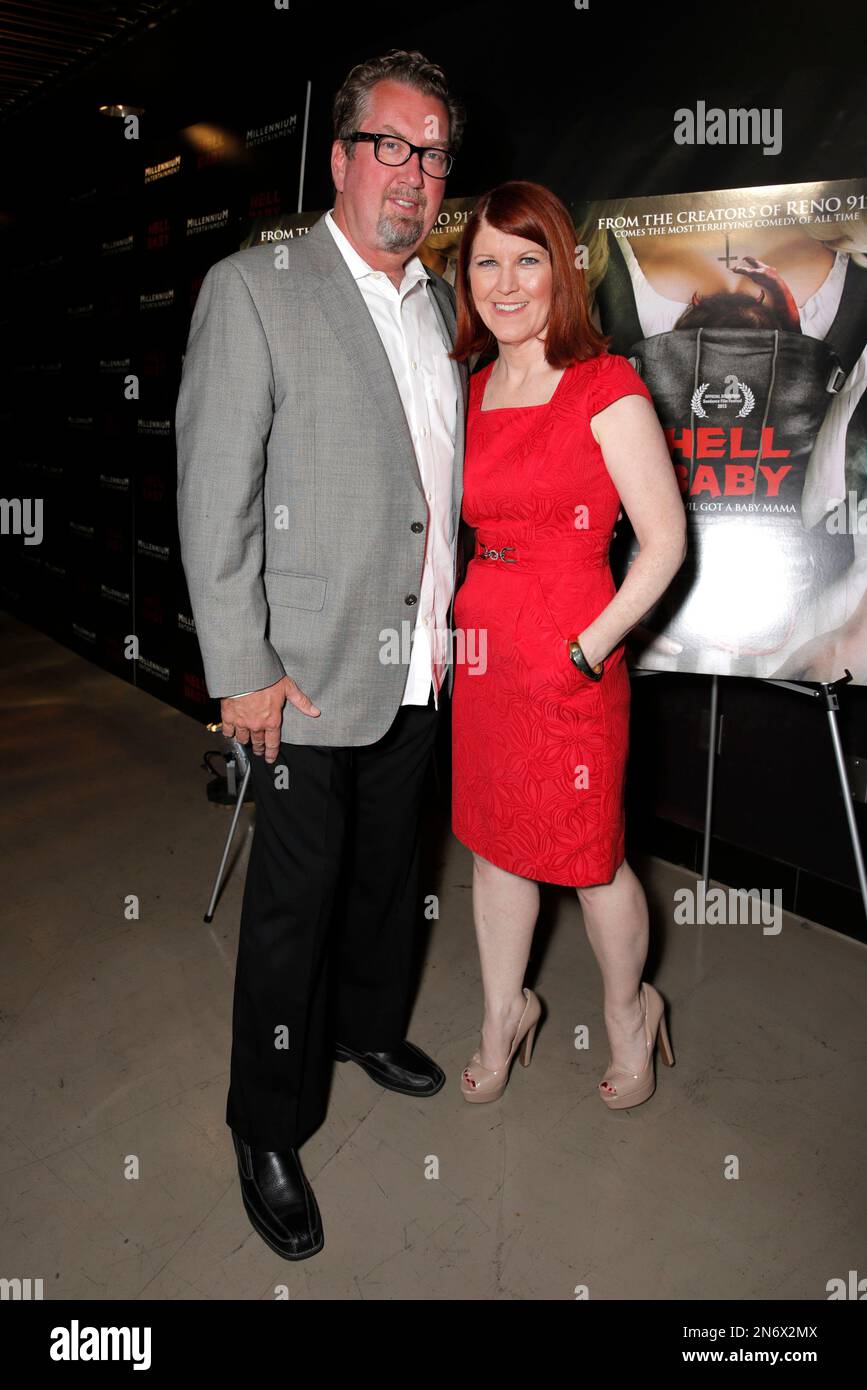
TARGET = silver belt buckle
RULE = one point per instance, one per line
(491, 554)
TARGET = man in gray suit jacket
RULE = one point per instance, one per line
(320, 428)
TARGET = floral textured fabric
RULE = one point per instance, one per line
(539, 749)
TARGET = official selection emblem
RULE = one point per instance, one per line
(735, 393)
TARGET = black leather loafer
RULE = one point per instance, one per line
(404, 1068)
(279, 1200)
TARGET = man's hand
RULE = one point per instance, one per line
(259, 715)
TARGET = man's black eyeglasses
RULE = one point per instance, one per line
(392, 149)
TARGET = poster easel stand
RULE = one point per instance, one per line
(827, 691)
(822, 690)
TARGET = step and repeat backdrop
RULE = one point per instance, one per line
(97, 311)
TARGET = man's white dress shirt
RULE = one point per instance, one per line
(407, 325)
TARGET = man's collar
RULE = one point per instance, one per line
(413, 270)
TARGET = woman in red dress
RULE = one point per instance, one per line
(560, 435)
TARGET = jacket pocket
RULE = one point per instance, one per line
(295, 590)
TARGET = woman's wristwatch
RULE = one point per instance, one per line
(579, 659)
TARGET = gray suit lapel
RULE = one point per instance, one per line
(341, 301)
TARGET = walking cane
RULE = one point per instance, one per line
(241, 762)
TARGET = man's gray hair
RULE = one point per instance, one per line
(398, 65)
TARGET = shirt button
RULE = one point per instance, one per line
(411, 599)
(428, 495)
(415, 366)
(417, 526)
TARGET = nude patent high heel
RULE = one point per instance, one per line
(480, 1084)
(633, 1088)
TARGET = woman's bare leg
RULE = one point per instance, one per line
(615, 915)
(505, 908)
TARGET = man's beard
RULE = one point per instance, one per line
(398, 234)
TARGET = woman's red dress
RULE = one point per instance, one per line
(539, 749)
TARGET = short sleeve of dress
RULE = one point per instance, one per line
(613, 377)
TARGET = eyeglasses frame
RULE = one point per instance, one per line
(369, 136)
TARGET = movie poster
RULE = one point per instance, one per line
(745, 312)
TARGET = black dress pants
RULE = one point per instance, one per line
(328, 922)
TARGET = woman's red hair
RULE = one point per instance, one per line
(532, 211)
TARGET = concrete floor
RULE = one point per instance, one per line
(115, 1047)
